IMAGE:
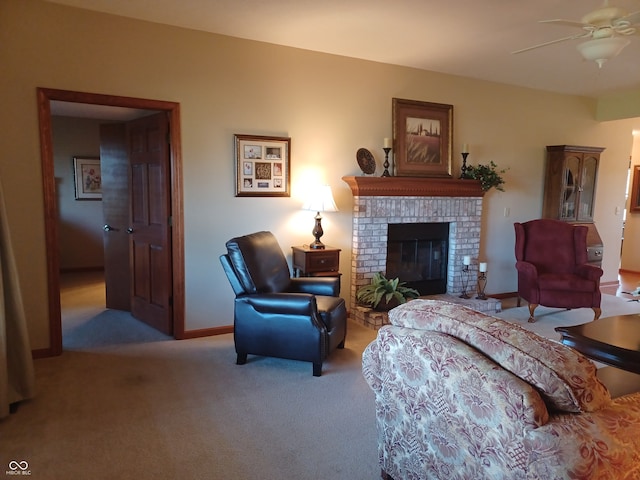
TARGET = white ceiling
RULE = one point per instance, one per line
(471, 38)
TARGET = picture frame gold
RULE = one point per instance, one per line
(634, 203)
(262, 166)
(423, 138)
(87, 178)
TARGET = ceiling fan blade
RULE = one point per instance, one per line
(632, 18)
(567, 23)
(558, 40)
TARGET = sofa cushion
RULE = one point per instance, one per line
(565, 282)
(565, 378)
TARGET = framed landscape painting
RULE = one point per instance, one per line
(262, 166)
(422, 133)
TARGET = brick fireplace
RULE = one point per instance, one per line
(380, 201)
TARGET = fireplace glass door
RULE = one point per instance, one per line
(417, 255)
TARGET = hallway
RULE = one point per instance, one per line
(627, 282)
(87, 323)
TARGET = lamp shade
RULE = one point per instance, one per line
(600, 50)
(320, 199)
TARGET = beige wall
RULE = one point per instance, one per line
(614, 106)
(630, 257)
(330, 106)
(80, 221)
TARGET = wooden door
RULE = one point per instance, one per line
(114, 162)
(150, 218)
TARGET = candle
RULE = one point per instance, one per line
(387, 143)
(465, 148)
(466, 260)
(483, 266)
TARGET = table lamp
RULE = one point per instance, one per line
(320, 199)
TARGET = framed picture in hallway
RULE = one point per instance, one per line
(422, 133)
(88, 178)
(634, 205)
(262, 166)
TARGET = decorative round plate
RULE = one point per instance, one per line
(366, 161)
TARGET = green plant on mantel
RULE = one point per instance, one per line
(383, 294)
(488, 174)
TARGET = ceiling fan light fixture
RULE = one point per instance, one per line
(600, 50)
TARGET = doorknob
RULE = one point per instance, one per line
(129, 230)
(107, 228)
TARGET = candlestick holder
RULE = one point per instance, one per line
(465, 282)
(386, 162)
(482, 283)
(464, 165)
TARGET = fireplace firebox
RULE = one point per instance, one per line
(417, 255)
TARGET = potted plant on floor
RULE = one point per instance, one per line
(384, 294)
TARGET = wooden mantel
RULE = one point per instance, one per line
(413, 187)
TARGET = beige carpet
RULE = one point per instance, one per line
(126, 402)
(549, 318)
(166, 409)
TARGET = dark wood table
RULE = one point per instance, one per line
(614, 341)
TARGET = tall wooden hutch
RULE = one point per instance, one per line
(570, 190)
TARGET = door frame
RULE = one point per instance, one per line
(45, 96)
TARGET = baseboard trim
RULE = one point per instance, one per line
(42, 353)
(206, 332)
(500, 296)
(82, 269)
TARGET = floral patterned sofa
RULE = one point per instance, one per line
(463, 395)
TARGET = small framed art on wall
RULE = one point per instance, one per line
(634, 206)
(262, 166)
(88, 178)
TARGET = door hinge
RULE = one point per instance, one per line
(168, 138)
(171, 301)
(170, 221)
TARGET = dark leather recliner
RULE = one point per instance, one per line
(276, 315)
(551, 260)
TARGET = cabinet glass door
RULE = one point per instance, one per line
(587, 188)
(570, 188)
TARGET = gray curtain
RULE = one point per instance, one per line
(16, 364)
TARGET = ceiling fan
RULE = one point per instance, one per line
(605, 28)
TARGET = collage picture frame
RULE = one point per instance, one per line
(262, 166)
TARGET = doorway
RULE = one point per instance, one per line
(172, 109)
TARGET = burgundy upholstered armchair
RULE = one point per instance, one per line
(551, 259)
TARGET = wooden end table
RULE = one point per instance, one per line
(312, 262)
(611, 340)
